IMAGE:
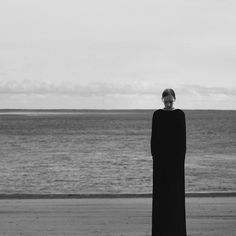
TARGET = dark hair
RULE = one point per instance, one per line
(168, 91)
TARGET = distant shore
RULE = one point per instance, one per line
(101, 196)
(6, 110)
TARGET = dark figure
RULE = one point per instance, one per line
(168, 148)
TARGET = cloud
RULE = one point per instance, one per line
(95, 88)
(199, 90)
(28, 87)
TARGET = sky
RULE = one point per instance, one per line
(117, 54)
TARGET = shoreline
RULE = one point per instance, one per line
(111, 196)
(205, 216)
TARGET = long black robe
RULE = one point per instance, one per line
(168, 148)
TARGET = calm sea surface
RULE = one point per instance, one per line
(96, 151)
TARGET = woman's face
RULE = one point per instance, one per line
(168, 102)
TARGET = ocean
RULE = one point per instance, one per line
(108, 151)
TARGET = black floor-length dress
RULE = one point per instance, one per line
(168, 148)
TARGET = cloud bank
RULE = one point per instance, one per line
(97, 88)
(28, 87)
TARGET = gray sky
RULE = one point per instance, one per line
(117, 54)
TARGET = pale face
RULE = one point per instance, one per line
(168, 102)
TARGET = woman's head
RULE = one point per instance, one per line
(168, 98)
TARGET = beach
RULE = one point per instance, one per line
(206, 216)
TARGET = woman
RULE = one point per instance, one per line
(168, 148)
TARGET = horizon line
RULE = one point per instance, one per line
(105, 109)
(100, 196)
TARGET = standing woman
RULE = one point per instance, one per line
(168, 148)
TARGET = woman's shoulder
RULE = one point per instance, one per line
(162, 111)
(180, 112)
(157, 111)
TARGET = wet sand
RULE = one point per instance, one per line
(206, 216)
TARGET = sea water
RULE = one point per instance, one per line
(108, 151)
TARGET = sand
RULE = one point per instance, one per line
(206, 216)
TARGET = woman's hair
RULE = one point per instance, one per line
(168, 91)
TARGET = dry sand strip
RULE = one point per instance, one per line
(211, 216)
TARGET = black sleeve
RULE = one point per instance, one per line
(154, 135)
(183, 133)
